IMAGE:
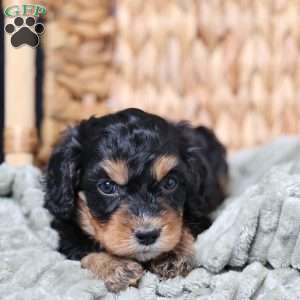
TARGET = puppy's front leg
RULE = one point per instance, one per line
(117, 273)
(179, 261)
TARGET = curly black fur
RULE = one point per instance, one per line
(138, 138)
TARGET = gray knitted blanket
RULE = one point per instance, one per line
(252, 251)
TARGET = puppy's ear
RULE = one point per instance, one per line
(215, 152)
(62, 175)
(205, 157)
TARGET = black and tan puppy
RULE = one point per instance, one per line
(130, 191)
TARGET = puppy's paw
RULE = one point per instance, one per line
(117, 273)
(171, 265)
(126, 273)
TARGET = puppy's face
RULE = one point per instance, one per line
(138, 216)
(128, 179)
(133, 187)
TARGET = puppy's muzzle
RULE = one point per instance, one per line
(147, 236)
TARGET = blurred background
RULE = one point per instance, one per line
(232, 65)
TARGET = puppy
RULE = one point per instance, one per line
(130, 191)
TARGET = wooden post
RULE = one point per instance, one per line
(20, 133)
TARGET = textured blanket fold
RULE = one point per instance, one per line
(252, 251)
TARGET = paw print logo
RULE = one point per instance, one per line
(25, 32)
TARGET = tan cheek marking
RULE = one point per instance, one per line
(172, 223)
(86, 220)
(114, 235)
(163, 165)
(118, 235)
(117, 170)
(186, 245)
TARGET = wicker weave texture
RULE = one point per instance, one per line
(232, 65)
(79, 53)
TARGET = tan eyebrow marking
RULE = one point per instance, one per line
(117, 170)
(163, 165)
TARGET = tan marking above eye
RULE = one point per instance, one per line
(163, 165)
(117, 170)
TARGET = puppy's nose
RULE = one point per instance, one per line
(147, 237)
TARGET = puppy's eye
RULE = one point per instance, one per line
(107, 187)
(170, 184)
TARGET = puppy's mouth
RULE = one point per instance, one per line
(150, 243)
(144, 247)
(146, 256)
(144, 253)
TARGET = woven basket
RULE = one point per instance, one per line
(232, 65)
(79, 55)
